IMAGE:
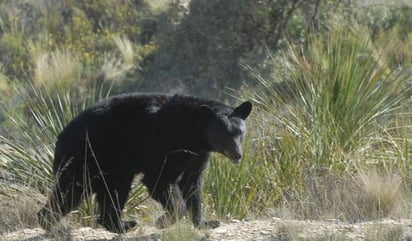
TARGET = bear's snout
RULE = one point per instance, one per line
(234, 157)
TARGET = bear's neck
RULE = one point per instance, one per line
(185, 131)
(183, 124)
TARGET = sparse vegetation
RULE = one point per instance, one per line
(384, 233)
(330, 137)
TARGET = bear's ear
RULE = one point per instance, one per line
(243, 110)
(206, 111)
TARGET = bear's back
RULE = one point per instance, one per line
(113, 120)
(135, 124)
(120, 109)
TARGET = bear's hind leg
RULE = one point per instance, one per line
(112, 196)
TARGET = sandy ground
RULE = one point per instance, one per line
(258, 230)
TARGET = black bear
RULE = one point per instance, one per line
(166, 138)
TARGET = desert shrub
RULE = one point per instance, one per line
(333, 116)
(383, 17)
(86, 29)
(340, 89)
(390, 25)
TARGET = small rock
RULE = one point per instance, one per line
(221, 230)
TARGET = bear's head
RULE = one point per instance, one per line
(226, 131)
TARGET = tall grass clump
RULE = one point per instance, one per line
(239, 191)
(328, 116)
(341, 93)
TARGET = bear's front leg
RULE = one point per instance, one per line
(191, 186)
(171, 199)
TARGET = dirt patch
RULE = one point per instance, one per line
(259, 230)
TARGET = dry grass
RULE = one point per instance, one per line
(18, 207)
(379, 194)
(5, 88)
(181, 231)
(380, 232)
(363, 197)
(59, 69)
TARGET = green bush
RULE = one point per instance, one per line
(341, 89)
(333, 116)
(86, 29)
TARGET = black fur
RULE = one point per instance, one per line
(167, 138)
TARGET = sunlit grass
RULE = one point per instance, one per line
(337, 120)
(56, 70)
(343, 92)
(237, 191)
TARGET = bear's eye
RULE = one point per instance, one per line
(237, 131)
